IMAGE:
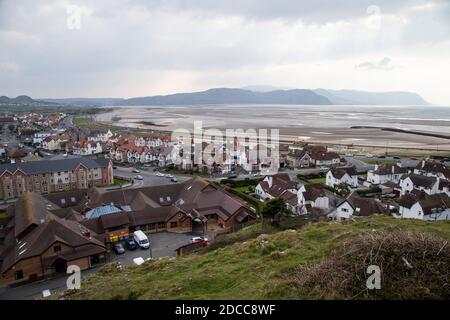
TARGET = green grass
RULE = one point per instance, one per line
(317, 180)
(245, 269)
(119, 182)
(245, 189)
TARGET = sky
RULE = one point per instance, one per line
(129, 48)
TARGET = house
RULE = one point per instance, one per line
(355, 206)
(39, 137)
(342, 175)
(432, 168)
(39, 243)
(312, 156)
(274, 186)
(48, 176)
(85, 148)
(327, 159)
(312, 196)
(422, 206)
(386, 172)
(412, 181)
(56, 142)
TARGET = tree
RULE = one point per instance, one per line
(274, 209)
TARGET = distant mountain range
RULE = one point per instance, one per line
(246, 95)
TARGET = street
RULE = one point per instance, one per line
(149, 177)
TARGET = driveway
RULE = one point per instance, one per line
(163, 244)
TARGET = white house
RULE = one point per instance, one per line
(346, 175)
(84, 148)
(38, 137)
(274, 186)
(410, 182)
(432, 168)
(386, 172)
(424, 207)
(312, 196)
(355, 205)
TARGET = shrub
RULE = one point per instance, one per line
(413, 266)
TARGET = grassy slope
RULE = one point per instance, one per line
(243, 270)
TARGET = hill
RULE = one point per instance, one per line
(23, 101)
(294, 264)
(231, 96)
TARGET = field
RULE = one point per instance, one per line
(249, 266)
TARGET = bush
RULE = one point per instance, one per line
(241, 183)
(413, 266)
(365, 192)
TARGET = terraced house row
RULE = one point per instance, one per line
(48, 176)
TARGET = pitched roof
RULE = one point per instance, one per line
(341, 171)
(47, 166)
(313, 191)
(364, 206)
(426, 201)
(433, 167)
(385, 169)
(281, 182)
(52, 230)
(420, 180)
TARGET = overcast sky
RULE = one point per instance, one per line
(127, 48)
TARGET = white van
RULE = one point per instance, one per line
(141, 239)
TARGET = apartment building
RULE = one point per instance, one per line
(48, 176)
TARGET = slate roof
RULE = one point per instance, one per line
(426, 201)
(420, 180)
(47, 166)
(341, 171)
(364, 206)
(385, 169)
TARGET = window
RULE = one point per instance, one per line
(174, 224)
(18, 275)
(56, 249)
(161, 224)
(63, 201)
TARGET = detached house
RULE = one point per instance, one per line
(274, 186)
(422, 206)
(432, 168)
(386, 172)
(355, 205)
(312, 156)
(346, 175)
(410, 182)
(312, 196)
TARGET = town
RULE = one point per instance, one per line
(77, 196)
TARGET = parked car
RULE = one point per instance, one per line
(131, 244)
(139, 177)
(159, 174)
(147, 165)
(169, 176)
(198, 239)
(396, 158)
(413, 158)
(232, 176)
(324, 169)
(174, 180)
(141, 239)
(135, 170)
(118, 248)
(258, 174)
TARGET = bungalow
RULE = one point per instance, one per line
(346, 175)
(412, 181)
(422, 206)
(355, 205)
(327, 159)
(386, 172)
(274, 186)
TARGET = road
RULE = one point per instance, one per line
(149, 177)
